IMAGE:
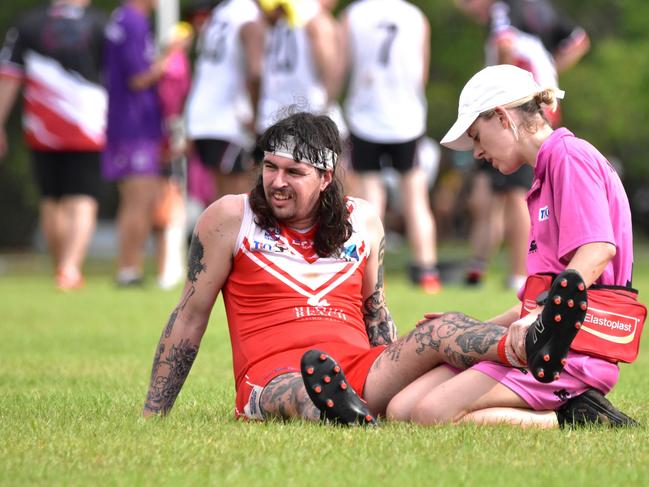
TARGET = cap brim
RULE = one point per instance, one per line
(456, 138)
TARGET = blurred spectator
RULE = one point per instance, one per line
(225, 89)
(197, 13)
(388, 45)
(56, 51)
(301, 66)
(532, 35)
(134, 132)
(170, 213)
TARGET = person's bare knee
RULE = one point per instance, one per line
(434, 410)
(398, 409)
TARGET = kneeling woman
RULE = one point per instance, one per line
(580, 219)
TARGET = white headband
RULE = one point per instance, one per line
(287, 147)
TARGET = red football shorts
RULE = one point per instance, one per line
(354, 361)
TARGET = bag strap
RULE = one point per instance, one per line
(614, 288)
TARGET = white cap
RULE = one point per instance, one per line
(493, 86)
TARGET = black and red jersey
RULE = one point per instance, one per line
(56, 50)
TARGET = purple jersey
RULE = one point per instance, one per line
(132, 114)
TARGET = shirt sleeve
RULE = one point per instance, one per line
(580, 203)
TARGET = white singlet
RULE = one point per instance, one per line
(289, 76)
(386, 102)
(219, 104)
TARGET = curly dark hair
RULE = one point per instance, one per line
(313, 134)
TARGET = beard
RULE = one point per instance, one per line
(282, 204)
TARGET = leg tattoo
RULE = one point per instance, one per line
(285, 397)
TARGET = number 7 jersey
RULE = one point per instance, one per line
(386, 102)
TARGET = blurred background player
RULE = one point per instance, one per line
(335, 111)
(388, 44)
(301, 68)
(225, 90)
(532, 35)
(134, 132)
(170, 212)
(56, 52)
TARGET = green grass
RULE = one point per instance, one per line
(74, 371)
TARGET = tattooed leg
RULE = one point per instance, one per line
(453, 338)
(285, 397)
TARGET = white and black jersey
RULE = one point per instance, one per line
(219, 105)
(386, 102)
(289, 76)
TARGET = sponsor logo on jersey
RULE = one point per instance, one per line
(303, 244)
(320, 312)
(350, 252)
(544, 213)
(259, 246)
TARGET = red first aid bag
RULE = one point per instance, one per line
(613, 324)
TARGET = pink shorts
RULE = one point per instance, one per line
(582, 372)
(354, 361)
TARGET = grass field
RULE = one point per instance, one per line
(74, 371)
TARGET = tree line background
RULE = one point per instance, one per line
(607, 100)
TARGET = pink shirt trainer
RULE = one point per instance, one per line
(577, 198)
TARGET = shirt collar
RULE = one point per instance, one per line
(541, 160)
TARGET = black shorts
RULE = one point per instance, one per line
(223, 156)
(67, 173)
(369, 156)
(501, 183)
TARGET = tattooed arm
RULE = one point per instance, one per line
(209, 265)
(379, 324)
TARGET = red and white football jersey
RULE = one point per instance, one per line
(280, 295)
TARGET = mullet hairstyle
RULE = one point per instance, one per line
(313, 135)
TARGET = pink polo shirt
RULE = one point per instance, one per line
(577, 198)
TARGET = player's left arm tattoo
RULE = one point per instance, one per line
(379, 324)
(168, 375)
(175, 354)
(195, 266)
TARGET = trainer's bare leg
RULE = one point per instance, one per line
(453, 338)
(285, 397)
